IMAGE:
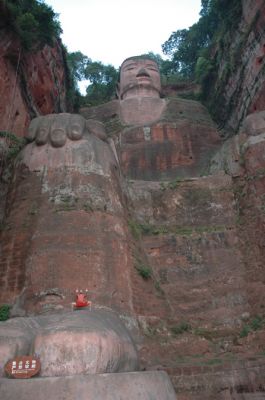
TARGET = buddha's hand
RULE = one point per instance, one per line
(56, 128)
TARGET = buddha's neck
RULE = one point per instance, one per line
(136, 110)
(141, 91)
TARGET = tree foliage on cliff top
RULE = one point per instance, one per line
(34, 21)
(102, 79)
(187, 46)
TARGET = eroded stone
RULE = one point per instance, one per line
(79, 342)
(133, 386)
(254, 124)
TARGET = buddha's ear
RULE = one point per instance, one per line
(118, 93)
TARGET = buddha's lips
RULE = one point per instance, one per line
(143, 78)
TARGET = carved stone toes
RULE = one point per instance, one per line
(58, 130)
(76, 127)
(58, 137)
(32, 131)
(42, 127)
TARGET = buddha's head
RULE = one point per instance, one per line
(139, 77)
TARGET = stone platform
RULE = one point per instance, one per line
(121, 386)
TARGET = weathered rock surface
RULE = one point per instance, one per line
(80, 342)
(239, 87)
(189, 234)
(222, 283)
(254, 124)
(249, 188)
(239, 380)
(133, 386)
(31, 83)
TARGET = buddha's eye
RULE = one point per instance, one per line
(152, 69)
(129, 68)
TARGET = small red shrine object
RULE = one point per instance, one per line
(81, 300)
(23, 367)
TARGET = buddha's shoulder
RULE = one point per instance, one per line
(178, 108)
(102, 113)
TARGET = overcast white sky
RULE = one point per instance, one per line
(112, 30)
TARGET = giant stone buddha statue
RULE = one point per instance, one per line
(155, 138)
(68, 221)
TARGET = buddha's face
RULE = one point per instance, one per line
(139, 77)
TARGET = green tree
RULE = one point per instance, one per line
(77, 63)
(28, 27)
(34, 21)
(202, 69)
(103, 80)
(185, 46)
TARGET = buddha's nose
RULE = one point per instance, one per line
(142, 72)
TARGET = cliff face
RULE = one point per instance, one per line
(180, 258)
(238, 87)
(138, 217)
(31, 83)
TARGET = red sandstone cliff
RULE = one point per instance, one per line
(200, 236)
(238, 88)
(31, 83)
